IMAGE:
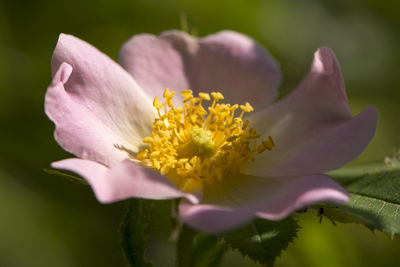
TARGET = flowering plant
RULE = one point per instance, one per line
(202, 144)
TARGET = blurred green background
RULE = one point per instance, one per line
(50, 221)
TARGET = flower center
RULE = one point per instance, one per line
(192, 146)
(200, 144)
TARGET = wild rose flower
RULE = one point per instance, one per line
(228, 165)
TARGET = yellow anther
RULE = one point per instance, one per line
(194, 160)
(253, 136)
(168, 97)
(217, 96)
(183, 160)
(178, 110)
(266, 145)
(204, 96)
(200, 110)
(193, 118)
(155, 154)
(187, 94)
(167, 94)
(231, 138)
(148, 140)
(271, 141)
(262, 147)
(157, 104)
(238, 120)
(187, 98)
(175, 142)
(194, 100)
(156, 164)
(188, 166)
(143, 154)
(226, 147)
(147, 163)
(165, 169)
(247, 107)
(212, 111)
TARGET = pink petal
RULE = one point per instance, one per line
(212, 218)
(154, 64)
(303, 192)
(236, 200)
(228, 62)
(313, 128)
(78, 130)
(122, 181)
(94, 103)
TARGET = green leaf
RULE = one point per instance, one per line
(196, 249)
(208, 250)
(375, 197)
(131, 232)
(262, 240)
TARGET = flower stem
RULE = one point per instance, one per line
(196, 249)
(131, 234)
(185, 246)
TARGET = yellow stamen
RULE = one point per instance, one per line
(204, 96)
(192, 146)
(187, 94)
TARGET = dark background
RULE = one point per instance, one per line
(48, 220)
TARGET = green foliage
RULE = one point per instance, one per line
(375, 196)
(199, 250)
(208, 250)
(131, 231)
(184, 246)
(262, 240)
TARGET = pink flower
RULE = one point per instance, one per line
(103, 112)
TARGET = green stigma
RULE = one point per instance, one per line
(202, 141)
